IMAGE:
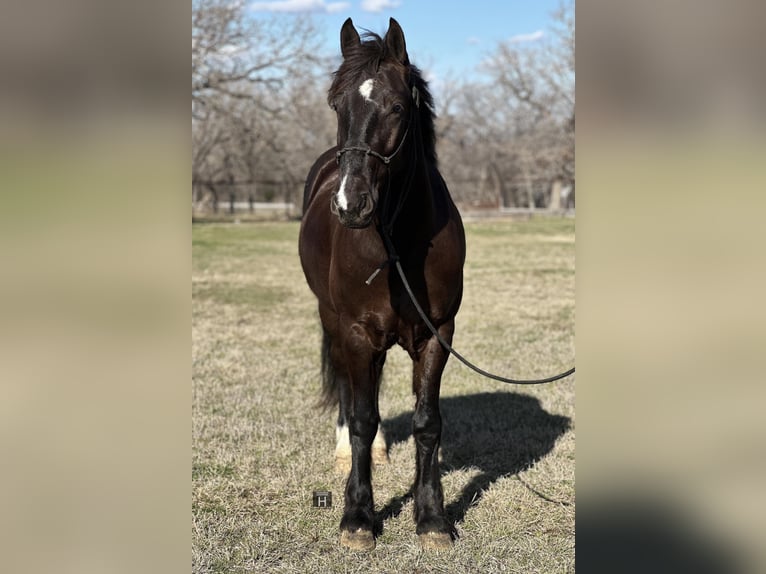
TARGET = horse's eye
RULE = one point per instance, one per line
(397, 108)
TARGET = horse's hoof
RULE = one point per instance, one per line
(435, 541)
(361, 540)
(379, 457)
(343, 465)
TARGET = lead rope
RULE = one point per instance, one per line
(394, 258)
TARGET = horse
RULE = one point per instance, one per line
(373, 203)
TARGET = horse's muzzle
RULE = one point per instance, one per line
(356, 216)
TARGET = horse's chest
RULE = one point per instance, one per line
(385, 310)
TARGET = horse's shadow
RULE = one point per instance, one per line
(499, 433)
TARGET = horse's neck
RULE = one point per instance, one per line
(418, 212)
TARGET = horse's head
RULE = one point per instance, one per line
(375, 103)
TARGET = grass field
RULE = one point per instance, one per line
(260, 447)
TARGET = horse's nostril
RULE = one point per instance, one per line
(366, 204)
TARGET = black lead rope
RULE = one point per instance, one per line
(394, 258)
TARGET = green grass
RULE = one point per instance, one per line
(260, 446)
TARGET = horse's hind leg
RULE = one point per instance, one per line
(343, 448)
(343, 440)
(379, 446)
(336, 389)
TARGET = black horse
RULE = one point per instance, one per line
(376, 198)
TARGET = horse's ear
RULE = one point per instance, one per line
(395, 42)
(349, 37)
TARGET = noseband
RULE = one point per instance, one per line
(386, 159)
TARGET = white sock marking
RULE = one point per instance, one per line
(341, 197)
(380, 440)
(343, 440)
(366, 89)
(343, 445)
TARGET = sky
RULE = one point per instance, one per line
(446, 39)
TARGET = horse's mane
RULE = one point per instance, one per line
(367, 57)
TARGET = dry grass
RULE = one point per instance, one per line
(260, 447)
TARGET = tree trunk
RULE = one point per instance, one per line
(525, 170)
(555, 202)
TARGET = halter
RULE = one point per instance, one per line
(386, 159)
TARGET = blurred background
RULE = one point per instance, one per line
(95, 183)
(670, 276)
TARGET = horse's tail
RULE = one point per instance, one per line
(330, 394)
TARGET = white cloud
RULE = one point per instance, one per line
(379, 5)
(334, 7)
(473, 41)
(521, 38)
(299, 6)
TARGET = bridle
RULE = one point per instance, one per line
(386, 159)
(386, 228)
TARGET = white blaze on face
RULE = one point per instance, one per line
(341, 198)
(366, 89)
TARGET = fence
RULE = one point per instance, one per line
(468, 212)
(245, 211)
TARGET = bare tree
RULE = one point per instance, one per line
(231, 52)
(511, 142)
(243, 76)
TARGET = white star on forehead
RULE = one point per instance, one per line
(366, 89)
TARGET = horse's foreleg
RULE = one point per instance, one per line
(434, 531)
(363, 368)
